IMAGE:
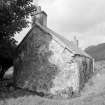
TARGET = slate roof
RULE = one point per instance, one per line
(68, 44)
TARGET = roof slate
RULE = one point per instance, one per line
(68, 44)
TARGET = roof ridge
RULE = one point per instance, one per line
(69, 44)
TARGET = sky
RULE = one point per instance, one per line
(84, 19)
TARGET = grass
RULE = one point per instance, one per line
(92, 94)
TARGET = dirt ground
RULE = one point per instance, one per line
(92, 94)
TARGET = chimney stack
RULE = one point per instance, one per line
(40, 17)
(75, 41)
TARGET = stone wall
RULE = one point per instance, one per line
(43, 64)
(85, 70)
(32, 68)
(67, 77)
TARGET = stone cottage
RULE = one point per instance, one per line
(47, 62)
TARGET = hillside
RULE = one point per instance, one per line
(97, 52)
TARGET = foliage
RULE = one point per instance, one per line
(13, 16)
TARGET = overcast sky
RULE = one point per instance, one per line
(85, 18)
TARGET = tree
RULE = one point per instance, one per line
(13, 18)
(7, 49)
